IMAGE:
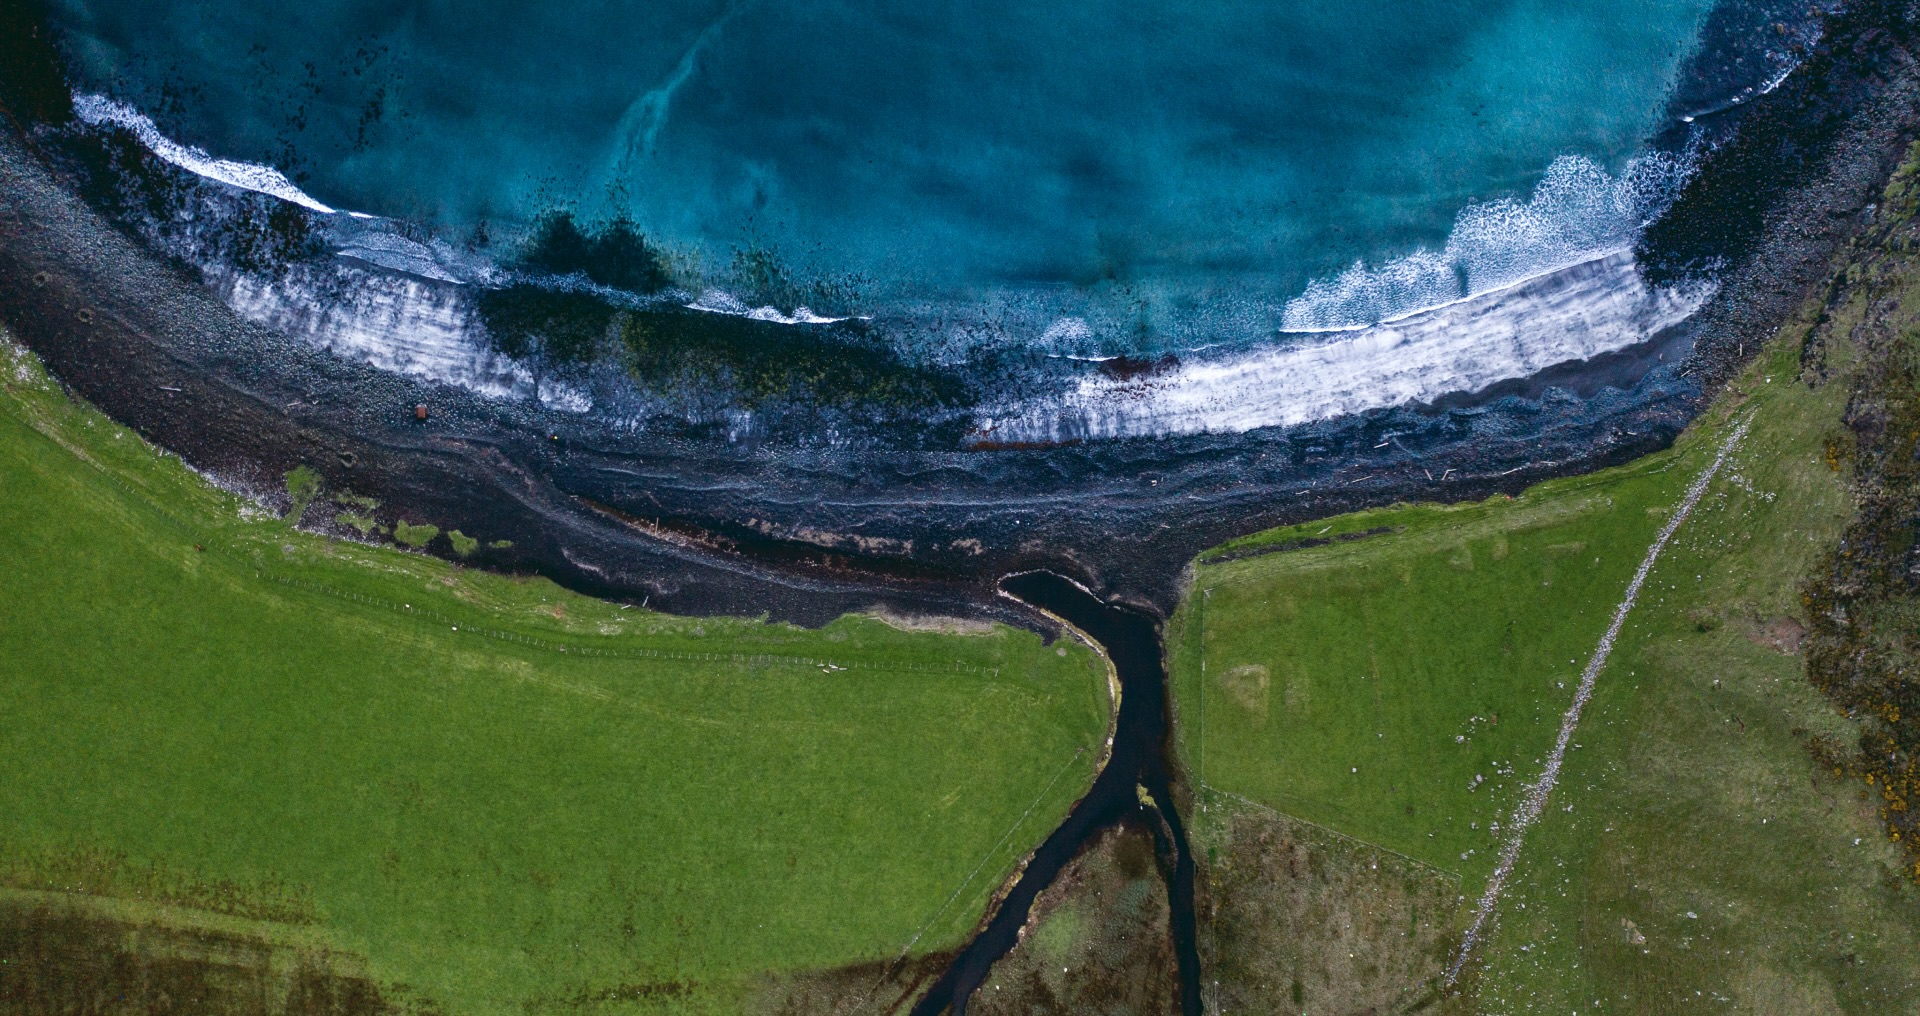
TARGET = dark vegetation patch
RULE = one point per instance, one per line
(669, 348)
(113, 873)
(1863, 638)
(762, 360)
(1098, 941)
(619, 996)
(1134, 368)
(181, 214)
(760, 277)
(1782, 142)
(561, 327)
(134, 188)
(58, 958)
(873, 989)
(263, 234)
(1295, 920)
(614, 255)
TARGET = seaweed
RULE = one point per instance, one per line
(614, 255)
(265, 235)
(178, 212)
(527, 321)
(835, 365)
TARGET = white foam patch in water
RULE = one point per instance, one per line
(715, 301)
(1574, 314)
(390, 250)
(405, 325)
(98, 109)
(1066, 329)
(1577, 213)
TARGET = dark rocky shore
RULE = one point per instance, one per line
(697, 525)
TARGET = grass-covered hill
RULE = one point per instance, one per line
(1362, 699)
(248, 768)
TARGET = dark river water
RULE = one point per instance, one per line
(1139, 762)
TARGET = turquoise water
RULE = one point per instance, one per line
(1163, 161)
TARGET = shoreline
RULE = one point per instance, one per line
(808, 534)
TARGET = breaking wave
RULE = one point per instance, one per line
(98, 110)
(1577, 213)
(1520, 285)
(1580, 312)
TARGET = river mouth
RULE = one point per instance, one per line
(1137, 783)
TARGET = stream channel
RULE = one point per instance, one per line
(1138, 772)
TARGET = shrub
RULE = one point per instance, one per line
(363, 524)
(303, 485)
(414, 536)
(617, 255)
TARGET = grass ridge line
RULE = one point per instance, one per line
(954, 667)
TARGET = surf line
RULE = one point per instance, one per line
(97, 110)
(1534, 801)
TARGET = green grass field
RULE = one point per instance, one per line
(1696, 853)
(1398, 687)
(506, 797)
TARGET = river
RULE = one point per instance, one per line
(1138, 771)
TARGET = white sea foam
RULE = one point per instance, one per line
(715, 301)
(1577, 213)
(1519, 286)
(1066, 329)
(98, 109)
(1574, 314)
(405, 325)
(560, 395)
(391, 250)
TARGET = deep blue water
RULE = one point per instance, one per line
(1163, 161)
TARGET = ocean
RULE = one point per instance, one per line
(1294, 210)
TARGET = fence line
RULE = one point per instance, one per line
(1534, 800)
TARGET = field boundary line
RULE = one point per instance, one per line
(1451, 875)
(627, 653)
(1533, 800)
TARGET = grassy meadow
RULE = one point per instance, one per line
(1399, 688)
(1698, 851)
(504, 797)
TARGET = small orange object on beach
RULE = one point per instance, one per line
(420, 411)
